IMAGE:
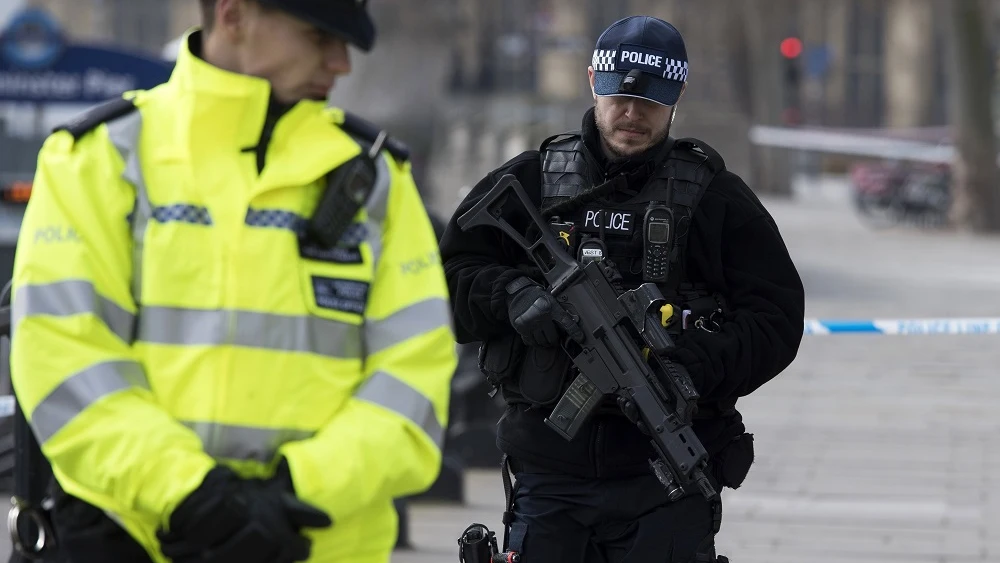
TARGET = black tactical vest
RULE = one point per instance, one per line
(678, 182)
(569, 179)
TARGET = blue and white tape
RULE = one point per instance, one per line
(985, 325)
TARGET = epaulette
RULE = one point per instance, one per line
(369, 132)
(558, 137)
(715, 160)
(91, 118)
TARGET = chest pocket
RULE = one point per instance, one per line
(336, 281)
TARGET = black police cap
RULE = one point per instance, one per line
(348, 19)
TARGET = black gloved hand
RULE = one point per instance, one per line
(686, 360)
(228, 519)
(537, 316)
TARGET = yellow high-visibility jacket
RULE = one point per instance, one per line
(168, 316)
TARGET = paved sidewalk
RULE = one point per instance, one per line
(869, 448)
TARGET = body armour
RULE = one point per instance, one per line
(571, 193)
(575, 199)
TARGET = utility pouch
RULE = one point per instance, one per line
(544, 375)
(499, 359)
(732, 464)
(477, 545)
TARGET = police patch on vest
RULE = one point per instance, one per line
(346, 296)
(614, 222)
(336, 255)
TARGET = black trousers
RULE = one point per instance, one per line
(566, 519)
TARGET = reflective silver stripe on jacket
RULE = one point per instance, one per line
(377, 206)
(68, 298)
(124, 133)
(394, 394)
(165, 325)
(404, 324)
(82, 390)
(198, 327)
(227, 441)
(87, 387)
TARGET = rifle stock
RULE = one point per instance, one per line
(619, 333)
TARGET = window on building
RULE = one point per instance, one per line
(139, 24)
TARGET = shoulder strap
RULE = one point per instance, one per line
(692, 164)
(715, 161)
(688, 170)
(359, 127)
(95, 116)
(564, 167)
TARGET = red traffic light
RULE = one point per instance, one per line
(791, 47)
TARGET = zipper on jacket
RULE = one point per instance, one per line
(265, 139)
(274, 113)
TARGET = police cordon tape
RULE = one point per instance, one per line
(972, 325)
(982, 325)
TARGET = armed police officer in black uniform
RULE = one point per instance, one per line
(663, 210)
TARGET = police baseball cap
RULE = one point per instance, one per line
(348, 19)
(643, 57)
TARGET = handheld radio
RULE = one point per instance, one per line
(657, 235)
(348, 189)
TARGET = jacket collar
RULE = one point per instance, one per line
(218, 114)
(637, 168)
(235, 103)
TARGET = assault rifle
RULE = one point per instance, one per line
(621, 354)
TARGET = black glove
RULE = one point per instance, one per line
(537, 316)
(228, 519)
(688, 361)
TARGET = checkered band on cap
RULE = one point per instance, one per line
(676, 70)
(604, 60)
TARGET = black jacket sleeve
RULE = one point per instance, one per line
(480, 262)
(736, 247)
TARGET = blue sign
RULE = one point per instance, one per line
(38, 64)
(818, 60)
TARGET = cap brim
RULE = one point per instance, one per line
(361, 26)
(659, 90)
(349, 23)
